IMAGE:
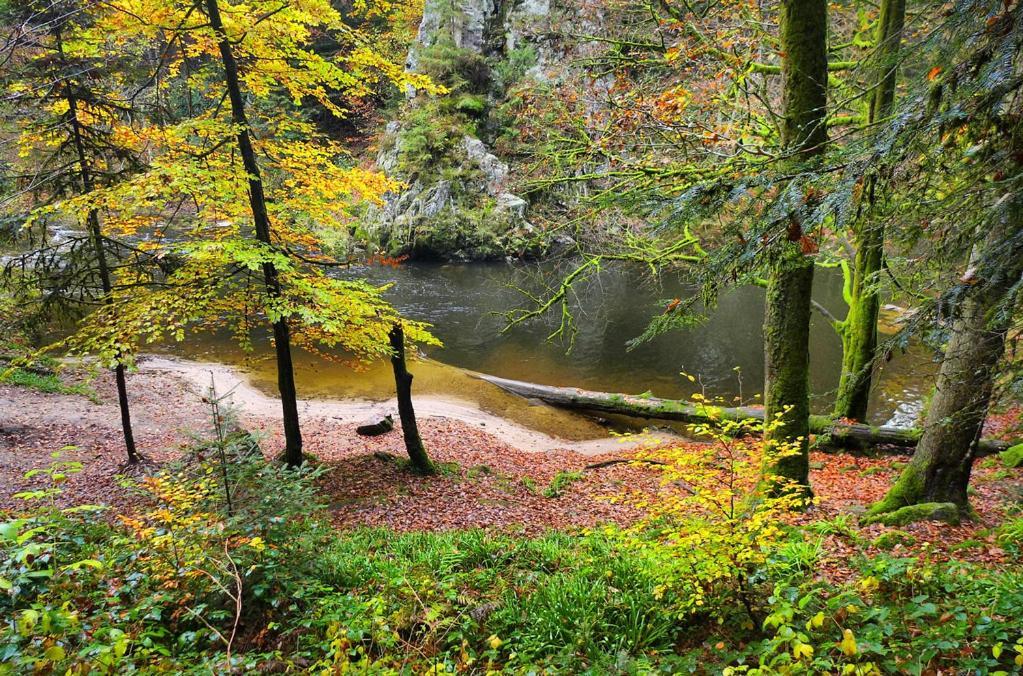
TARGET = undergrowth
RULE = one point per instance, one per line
(227, 565)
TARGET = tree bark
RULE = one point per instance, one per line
(787, 366)
(859, 330)
(406, 413)
(804, 28)
(940, 469)
(96, 237)
(839, 435)
(261, 220)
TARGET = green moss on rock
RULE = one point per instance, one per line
(927, 511)
(888, 540)
(1012, 457)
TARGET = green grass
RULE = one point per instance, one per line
(559, 600)
(560, 483)
(50, 382)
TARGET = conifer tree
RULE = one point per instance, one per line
(804, 30)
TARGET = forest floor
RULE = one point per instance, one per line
(484, 480)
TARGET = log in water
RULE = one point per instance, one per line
(839, 434)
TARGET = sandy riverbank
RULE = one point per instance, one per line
(251, 401)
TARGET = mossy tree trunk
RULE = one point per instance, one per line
(804, 28)
(940, 469)
(261, 219)
(403, 386)
(859, 330)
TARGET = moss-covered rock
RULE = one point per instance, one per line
(888, 540)
(1012, 457)
(457, 198)
(948, 512)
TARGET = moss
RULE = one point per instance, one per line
(510, 69)
(907, 490)
(471, 105)
(1012, 457)
(859, 330)
(787, 387)
(927, 511)
(889, 539)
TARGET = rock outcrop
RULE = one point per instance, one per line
(458, 201)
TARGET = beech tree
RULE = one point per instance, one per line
(406, 412)
(261, 222)
(245, 200)
(858, 330)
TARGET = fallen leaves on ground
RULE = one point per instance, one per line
(481, 483)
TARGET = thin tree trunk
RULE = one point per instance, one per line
(257, 202)
(940, 469)
(96, 237)
(403, 386)
(859, 330)
(804, 29)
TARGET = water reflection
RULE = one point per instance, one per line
(465, 304)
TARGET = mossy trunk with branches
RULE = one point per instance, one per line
(859, 330)
(804, 29)
(939, 473)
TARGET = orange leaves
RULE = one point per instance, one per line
(808, 245)
(386, 261)
(933, 73)
(671, 104)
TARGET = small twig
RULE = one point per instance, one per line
(623, 461)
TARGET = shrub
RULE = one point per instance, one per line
(900, 617)
(714, 525)
(223, 543)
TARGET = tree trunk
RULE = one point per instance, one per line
(96, 237)
(261, 220)
(403, 386)
(859, 330)
(838, 435)
(804, 29)
(787, 367)
(940, 469)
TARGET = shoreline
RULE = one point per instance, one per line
(235, 385)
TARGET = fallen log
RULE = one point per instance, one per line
(383, 426)
(841, 435)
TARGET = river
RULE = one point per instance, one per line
(465, 302)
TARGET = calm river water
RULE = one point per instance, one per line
(464, 302)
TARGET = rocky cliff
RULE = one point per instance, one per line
(458, 154)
